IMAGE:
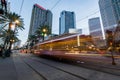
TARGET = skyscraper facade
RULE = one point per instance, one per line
(96, 32)
(95, 28)
(66, 22)
(40, 17)
(110, 13)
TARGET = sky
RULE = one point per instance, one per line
(84, 10)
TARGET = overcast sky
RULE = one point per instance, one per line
(84, 9)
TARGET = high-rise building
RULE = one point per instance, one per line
(75, 31)
(110, 13)
(96, 31)
(95, 28)
(40, 17)
(66, 22)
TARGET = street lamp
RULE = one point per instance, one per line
(44, 33)
(11, 34)
(16, 22)
(7, 42)
(44, 30)
(12, 25)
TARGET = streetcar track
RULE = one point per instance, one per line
(61, 70)
(34, 69)
(98, 69)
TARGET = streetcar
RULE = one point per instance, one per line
(62, 46)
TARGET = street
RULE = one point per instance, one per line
(30, 67)
(60, 40)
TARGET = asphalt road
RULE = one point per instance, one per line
(74, 72)
(30, 67)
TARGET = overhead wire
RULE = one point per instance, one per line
(95, 12)
(21, 7)
(79, 19)
(87, 16)
(55, 5)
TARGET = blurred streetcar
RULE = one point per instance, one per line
(63, 46)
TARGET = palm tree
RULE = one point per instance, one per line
(13, 36)
(31, 37)
(43, 31)
(31, 40)
(7, 21)
(11, 18)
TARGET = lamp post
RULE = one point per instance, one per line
(6, 42)
(9, 38)
(16, 22)
(44, 33)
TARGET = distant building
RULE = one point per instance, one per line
(66, 21)
(40, 17)
(75, 31)
(110, 13)
(96, 31)
(95, 28)
(17, 45)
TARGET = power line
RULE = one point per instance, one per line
(21, 7)
(95, 12)
(55, 5)
(87, 16)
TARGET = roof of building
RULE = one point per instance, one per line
(40, 6)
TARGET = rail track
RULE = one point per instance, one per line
(108, 68)
(44, 78)
(57, 69)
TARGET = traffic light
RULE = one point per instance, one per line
(42, 34)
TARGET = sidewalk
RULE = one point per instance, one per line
(13, 68)
(7, 69)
